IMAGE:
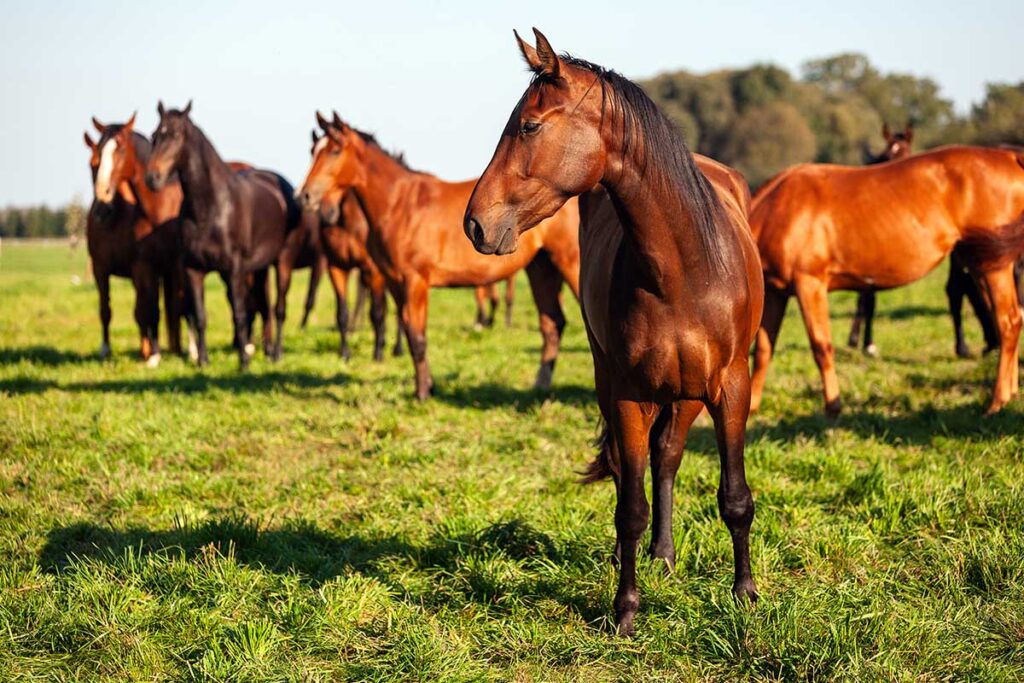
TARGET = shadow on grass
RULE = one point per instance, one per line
(491, 395)
(303, 549)
(290, 382)
(44, 355)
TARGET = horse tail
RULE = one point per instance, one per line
(294, 211)
(601, 466)
(985, 250)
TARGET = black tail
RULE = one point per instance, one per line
(986, 250)
(601, 467)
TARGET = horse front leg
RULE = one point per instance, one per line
(735, 502)
(198, 314)
(147, 311)
(631, 426)
(413, 301)
(339, 281)
(284, 281)
(315, 273)
(546, 285)
(668, 438)
(378, 318)
(870, 299)
(239, 293)
(853, 341)
(103, 289)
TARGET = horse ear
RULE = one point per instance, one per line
(886, 132)
(529, 53)
(324, 123)
(188, 108)
(335, 135)
(160, 108)
(338, 123)
(315, 138)
(97, 125)
(88, 141)
(908, 131)
(549, 62)
(130, 123)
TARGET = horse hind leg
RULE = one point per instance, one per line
(764, 348)
(546, 286)
(339, 282)
(1003, 293)
(315, 273)
(284, 279)
(812, 293)
(510, 299)
(870, 349)
(853, 341)
(668, 438)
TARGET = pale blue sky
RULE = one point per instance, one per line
(436, 80)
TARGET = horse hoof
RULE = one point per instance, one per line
(745, 592)
(104, 351)
(478, 326)
(871, 350)
(833, 408)
(345, 355)
(544, 375)
(153, 361)
(964, 352)
(250, 349)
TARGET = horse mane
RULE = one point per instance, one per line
(396, 156)
(662, 152)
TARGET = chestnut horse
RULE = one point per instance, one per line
(111, 238)
(958, 285)
(233, 223)
(822, 227)
(670, 285)
(415, 239)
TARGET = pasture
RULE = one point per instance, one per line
(311, 521)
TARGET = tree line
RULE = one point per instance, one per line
(762, 119)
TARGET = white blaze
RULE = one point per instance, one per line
(104, 192)
(318, 147)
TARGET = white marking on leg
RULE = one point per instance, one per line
(104, 350)
(871, 350)
(104, 189)
(153, 361)
(193, 348)
(250, 349)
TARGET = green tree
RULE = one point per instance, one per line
(1000, 116)
(768, 139)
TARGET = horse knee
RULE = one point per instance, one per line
(736, 509)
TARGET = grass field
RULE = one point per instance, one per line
(310, 521)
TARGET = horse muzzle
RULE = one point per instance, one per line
(155, 180)
(504, 244)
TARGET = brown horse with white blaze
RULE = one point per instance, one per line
(416, 239)
(670, 285)
(822, 227)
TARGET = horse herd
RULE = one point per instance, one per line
(678, 271)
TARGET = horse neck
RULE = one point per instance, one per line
(658, 225)
(160, 206)
(205, 178)
(385, 185)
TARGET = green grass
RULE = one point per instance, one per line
(310, 521)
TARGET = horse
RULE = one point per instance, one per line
(233, 223)
(110, 236)
(670, 285)
(823, 227)
(483, 295)
(415, 239)
(959, 283)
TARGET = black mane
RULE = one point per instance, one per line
(660, 147)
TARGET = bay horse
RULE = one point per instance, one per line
(670, 285)
(822, 227)
(110, 236)
(235, 223)
(416, 241)
(959, 283)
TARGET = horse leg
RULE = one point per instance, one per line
(983, 311)
(492, 293)
(195, 285)
(869, 318)
(378, 317)
(259, 298)
(361, 293)
(172, 309)
(103, 288)
(315, 272)
(668, 438)
(631, 427)
(284, 281)
(853, 341)
(147, 310)
(546, 285)
(339, 281)
(812, 293)
(735, 503)
(771, 320)
(413, 301)
(956, 286)
(480, 296)
(1003, 292)
(238, 293)
(400, 332)
(510, 298)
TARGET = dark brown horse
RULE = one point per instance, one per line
(415, 239)
(670, 285)
(959, 284)
(233, 223)
(822, 227)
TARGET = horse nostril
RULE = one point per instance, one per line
(475, 231)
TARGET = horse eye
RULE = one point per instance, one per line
(529, 127)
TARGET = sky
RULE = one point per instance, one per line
(436, 80)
